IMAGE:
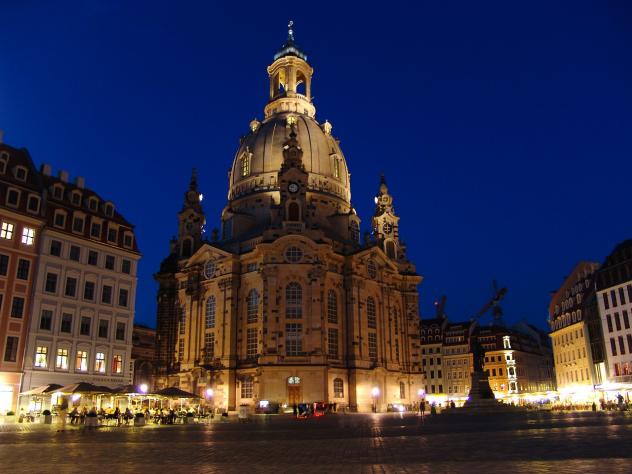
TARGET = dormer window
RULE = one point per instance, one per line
(109, 210)
(58, 191)
(112, 234)
(20, 173)
(13, 197)
(77, 224)
(75, 198)
(128, 240)
(60, 219)
(33, 204)
(93, 204)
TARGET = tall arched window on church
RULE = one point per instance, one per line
(293, 301)
(293, 212)
(252, 306)
(332, 307)
(402, 390)
(245, 164)
(210, 312)
(371, 317)
(390, 249)
(354, 232)
(186, 248)
(182, 316)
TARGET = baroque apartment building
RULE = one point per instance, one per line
(614, 297)
(577, 346)
(84, 290)
(286, 304)
(21, 222)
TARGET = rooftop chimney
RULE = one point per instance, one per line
(45, 169)
(63, 175)
(80, 182)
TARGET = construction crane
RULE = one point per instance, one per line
(440, 307)
(497, 312)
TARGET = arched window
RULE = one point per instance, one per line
(293, 301)
(293, 212)
(339, 388)
(210, 312)
(354, 232)
(390, 249)
(402, 390)
(252, 306)
(332, 307)
(370, 313)
(186, 248)
(183, 319)
(245, 164)
(336, 168)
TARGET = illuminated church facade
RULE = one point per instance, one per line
(288, 303)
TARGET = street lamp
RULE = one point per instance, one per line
(422, 402)
(143, 388)
(375, 392)
(209, 395)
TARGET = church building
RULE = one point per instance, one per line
(287, 304)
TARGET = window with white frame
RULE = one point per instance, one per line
(373, 346)
(293, 339)
(6, 231)
(293, 301)
(62, 359)
(41, 357)
(99, 363)
(28, 236)
(210, 312)
(339, 388)
(209, 346)
(251, 342)
(371, 313)
(332, 307)
(247, 387)
(252, 306)
(332, 343)
(117, 364)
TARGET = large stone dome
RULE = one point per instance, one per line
(260, 156)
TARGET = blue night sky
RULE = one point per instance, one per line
(503, 128)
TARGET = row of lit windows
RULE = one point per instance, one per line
(62, 360)
(75, 253)
(573, 376)
(568, 356)
(568, 337)
(7, 231)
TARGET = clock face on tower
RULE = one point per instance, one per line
(292, 187)
(387, 228)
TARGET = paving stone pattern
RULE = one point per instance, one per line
(383, 443)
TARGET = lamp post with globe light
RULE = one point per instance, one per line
(422, 402)
(209, 396)
(375, 393)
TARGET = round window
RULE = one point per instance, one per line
(371, 269)
(209, 269)
(293, 254)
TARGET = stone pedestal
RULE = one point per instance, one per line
(481, 394)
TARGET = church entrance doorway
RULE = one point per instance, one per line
(294, 390)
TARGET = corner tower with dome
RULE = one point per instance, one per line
(286, 304)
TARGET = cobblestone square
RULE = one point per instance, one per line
(520, 443)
